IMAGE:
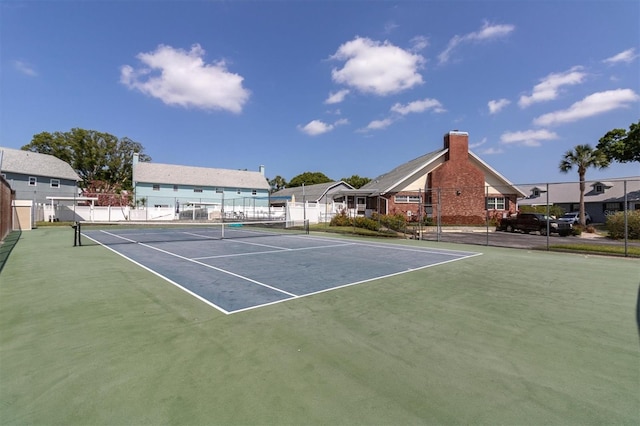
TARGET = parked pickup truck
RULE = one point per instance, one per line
(534, 222)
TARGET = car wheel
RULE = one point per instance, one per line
(543, 231)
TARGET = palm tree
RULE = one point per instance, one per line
(583, 157)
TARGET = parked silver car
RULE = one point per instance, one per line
(574, 218)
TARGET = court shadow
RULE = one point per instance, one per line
(7, 245)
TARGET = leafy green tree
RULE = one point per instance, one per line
(308, 178)
(356, 181)
(620, 145)
(583, 157)
(95, 156)
(277, 183)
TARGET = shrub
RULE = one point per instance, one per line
(397, 222)
(341, 219)
(615, 225)
(366, 223)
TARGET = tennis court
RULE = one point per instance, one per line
(510, 337)
(243, 266)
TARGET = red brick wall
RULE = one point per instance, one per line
(404, 208)
(461, 185)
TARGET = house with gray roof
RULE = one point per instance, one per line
(189, 190)
(34, 176)
(601, 198)
(318, 193)
(451, 185)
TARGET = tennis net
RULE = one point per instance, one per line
(109, 233)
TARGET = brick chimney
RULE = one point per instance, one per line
(458, 145)
(459, 183)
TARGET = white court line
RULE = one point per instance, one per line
(354, 283)
(461, 256)
(395, 246)
(233, 240)
(212, 267)
(281, 250)
(196, 295)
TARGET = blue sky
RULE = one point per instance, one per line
(338, 87)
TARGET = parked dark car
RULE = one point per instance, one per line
(534, 222)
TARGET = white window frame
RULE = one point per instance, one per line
(198, 189)
(156, 187)
(407, 199)
(495, 203)
(54, 183)
(33, 181)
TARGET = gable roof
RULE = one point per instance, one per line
(389, 181)
(311, 192)
(199, 176)
(35, 164)
(393, 180)
(569, 192)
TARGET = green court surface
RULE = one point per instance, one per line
(511, 337)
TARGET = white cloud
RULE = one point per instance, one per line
(179, 77)
(336, 98)
(24, 68)
(495, 106)
(478, 144)
(594, 104)
(627, 56)
(390, 27)
(486, 33)
(418, 106)
(419, 43)
(375, 67)
(492, 151)
(549, 87)
(528, 137)
(377, 125)
(318, 127)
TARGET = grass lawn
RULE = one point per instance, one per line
(509, 337)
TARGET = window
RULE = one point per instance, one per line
(254, 192)
(536, 192)
(407, 198)
(197, 189)
(613, 206)
(238, 191)
(218, 190)
(55, 183)
(495, 203)
(156, 187)
(33, 181)
(175, 188)
(599, 188)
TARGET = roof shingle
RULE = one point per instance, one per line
(35, 164)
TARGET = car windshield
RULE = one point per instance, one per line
(569, 216)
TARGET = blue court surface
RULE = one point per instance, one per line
(237, 274)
